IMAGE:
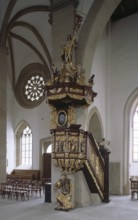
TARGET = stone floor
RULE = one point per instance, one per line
(119, 208)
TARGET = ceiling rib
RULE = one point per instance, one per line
(23, 12)
(23, 40)
(38, 36)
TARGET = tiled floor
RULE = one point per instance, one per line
(119, 208)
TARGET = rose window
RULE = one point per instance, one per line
(34, 88)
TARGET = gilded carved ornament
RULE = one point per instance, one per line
(64, 189)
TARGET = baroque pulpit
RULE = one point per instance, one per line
(73, 148)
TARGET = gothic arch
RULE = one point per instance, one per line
(94, 124)
(20, 127)
(128, 112)
(94, 24)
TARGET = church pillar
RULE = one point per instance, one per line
(63, 14)
(3, 112)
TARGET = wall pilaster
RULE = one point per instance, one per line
(3, 111)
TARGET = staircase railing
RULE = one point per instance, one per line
(96, 167)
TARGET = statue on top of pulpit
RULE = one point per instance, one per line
(68, 48)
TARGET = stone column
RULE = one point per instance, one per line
(3, 111)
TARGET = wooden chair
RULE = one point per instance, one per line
(134, 187)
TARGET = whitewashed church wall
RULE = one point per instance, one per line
(10, 159)
(99, 69)
(123, 80)
(39, 121)
(38, 117)
(124, 77)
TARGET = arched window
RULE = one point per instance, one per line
(135, 136)
(23, 146)
(26, 146)
(49, 149)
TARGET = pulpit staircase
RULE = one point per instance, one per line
(96, 169)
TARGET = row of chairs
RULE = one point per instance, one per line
(22, 190)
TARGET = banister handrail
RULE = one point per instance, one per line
(96, 148)
(95, 164)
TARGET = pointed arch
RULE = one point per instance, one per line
(94, 24)
(23, 137)
(94, 124)
(21, 125)
(133, 158)
(128, 113)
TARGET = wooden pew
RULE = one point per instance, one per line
(25, 174)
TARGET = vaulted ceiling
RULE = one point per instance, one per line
(26, 30)
(124, 9)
